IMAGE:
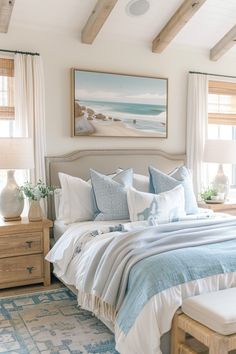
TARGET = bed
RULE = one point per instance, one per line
(82, 261)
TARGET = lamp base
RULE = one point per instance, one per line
(11, 199)
(16, 218)
(221, 182)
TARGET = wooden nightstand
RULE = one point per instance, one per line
(23, 247)
(229, 207)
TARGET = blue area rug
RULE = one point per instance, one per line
(50, 322)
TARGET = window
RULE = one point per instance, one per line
(222, 121)
(7, 116)
(222, 103)
(7, 110)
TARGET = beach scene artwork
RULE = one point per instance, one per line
(117, 105)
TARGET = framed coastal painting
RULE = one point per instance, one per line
(118, 105)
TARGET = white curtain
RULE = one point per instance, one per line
(30, 107)
(197, 121)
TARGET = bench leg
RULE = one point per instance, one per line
(177, 335)
(184, 349)
(218, 344)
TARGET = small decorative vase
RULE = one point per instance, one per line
(35, 211)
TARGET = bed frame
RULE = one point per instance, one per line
(107, 161)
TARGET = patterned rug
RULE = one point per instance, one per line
(50, 322)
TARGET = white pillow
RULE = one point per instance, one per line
(76, 202)
(156, 208)
(140, 182)
(57, 201)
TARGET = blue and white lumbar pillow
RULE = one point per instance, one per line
(161, 182)
(164, 207)
(111, 194)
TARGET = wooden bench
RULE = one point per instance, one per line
(210, 319)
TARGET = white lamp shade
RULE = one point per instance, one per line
(220, 151)
(16, 153)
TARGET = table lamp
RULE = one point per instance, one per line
(15, 153)
(220, 151)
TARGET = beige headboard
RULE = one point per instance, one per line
(78, 164)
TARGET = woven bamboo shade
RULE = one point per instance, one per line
(7, 110)
(6, 67)
(225, 102)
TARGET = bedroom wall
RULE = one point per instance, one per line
(60, 53)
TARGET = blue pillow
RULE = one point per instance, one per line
(111, 195)
(161, 182)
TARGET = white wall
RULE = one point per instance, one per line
(60, 53)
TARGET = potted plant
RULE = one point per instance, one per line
(209, 195)
(34, 193)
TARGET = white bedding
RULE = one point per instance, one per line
(155, 318)
(59, 227)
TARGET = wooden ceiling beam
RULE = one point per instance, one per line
(175, 24)
(6, 7)
(96, 20)
(227, 42)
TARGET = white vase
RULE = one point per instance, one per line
(11, 199)
(35, 211)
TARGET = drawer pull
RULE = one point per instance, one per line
(29, 243)
(30, 269)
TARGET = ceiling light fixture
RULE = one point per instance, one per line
(137, 7)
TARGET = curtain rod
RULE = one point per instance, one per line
(17, 52)
(198, 72)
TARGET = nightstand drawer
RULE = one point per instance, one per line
(21, 268)
(23, 247)
(19, 244)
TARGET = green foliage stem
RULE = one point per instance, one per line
(38, 191)
(208, 194)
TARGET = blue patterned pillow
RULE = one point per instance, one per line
(111, 195)
(161, 182)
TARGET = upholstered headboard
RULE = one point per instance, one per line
(78, 164)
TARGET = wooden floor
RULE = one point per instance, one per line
(30, 288)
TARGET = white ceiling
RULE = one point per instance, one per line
(204, 30)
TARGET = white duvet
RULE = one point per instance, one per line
(70, 256)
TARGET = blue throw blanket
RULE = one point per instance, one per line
(110, 261)
(160, 272)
